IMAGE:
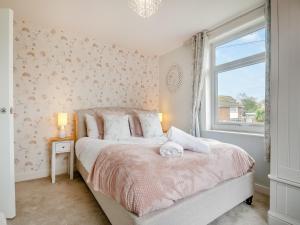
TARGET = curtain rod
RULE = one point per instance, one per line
(216, 27)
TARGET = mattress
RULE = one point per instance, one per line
(87, 149)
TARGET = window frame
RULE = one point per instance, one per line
(236, 64)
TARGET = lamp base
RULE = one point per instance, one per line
(62, 133)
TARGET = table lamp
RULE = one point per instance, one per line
(62, 121)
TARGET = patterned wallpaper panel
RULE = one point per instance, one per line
(57, 71)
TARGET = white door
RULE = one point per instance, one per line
(7, 177)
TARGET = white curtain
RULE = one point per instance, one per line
(200, 72)
(267, 95)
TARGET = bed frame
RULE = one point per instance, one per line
(199, 209)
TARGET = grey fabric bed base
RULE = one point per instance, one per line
(199, 209)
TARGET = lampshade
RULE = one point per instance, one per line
(160, 117)
(62, 119)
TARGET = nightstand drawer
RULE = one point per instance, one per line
(62, 147)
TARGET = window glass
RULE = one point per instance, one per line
(248, 45)
(241, 95)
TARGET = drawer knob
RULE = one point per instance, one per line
(3, 110)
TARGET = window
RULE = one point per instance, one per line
(238, 84)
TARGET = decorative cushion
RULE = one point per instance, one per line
(107, 111)
(151, 125)
(91, 126)
(135, 125)
(116, 127)
(97, 113)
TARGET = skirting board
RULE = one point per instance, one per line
(279, 219)
(262, 189)
(38, 174)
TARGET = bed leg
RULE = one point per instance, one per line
(249, 200)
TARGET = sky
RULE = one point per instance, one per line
(249, 80)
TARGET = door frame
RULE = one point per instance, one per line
(7, 168)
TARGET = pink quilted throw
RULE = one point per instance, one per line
(142, 181)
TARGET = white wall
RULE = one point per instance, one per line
(177, 108)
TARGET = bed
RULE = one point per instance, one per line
(199, 208)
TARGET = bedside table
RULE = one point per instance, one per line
(59, 146)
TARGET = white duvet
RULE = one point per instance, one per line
(87, 149)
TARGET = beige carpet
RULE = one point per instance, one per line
(70, 203)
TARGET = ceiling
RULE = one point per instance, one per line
(113, 22)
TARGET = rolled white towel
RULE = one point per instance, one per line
(2, 219)
(171, 149)
(187, 141)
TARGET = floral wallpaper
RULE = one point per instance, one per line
(57, 71)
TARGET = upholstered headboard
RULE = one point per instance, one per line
(80, 127)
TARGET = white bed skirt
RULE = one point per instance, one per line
(199, 209)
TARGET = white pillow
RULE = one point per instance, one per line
(91, 126)
(116, 127)
(150, 124)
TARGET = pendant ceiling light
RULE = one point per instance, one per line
(144, 8)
